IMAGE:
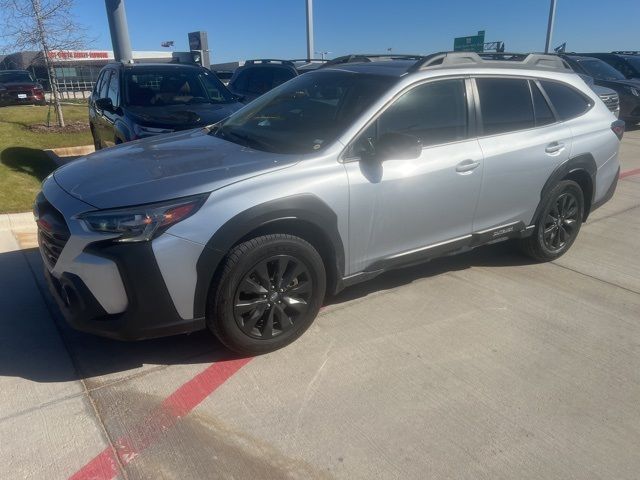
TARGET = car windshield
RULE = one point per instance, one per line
(305, 114)
(9, 77)
(634, 61)
(174, 86)
(600, 70)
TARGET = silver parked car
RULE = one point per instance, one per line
(329, 179)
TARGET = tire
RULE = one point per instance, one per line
(96, 144)
(251, 317)
(558, 224)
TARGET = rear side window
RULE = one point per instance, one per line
(435, 112)
(544, 115)
(505, 104)
(568, 102)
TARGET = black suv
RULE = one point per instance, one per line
(627, 63)
(605, 75)
(132, 101)
(256, 77)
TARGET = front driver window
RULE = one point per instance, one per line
(435, 112)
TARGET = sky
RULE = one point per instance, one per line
(244, 29)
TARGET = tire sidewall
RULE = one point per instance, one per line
(224, 318)
(562, 187)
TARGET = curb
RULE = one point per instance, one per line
(63, 155)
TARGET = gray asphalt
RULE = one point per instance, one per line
(478, 366)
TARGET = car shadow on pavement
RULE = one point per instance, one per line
(504, 254)
(37, 344)
(32, 161)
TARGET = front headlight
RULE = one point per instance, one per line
(143, 223)
(634, 91)
(141, 131)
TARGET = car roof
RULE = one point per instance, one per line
(579, 58)
(133, 66)
(393, 68)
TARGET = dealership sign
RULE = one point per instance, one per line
(80, 55)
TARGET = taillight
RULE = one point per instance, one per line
(618, 128)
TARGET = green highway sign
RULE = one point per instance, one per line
(474, 43)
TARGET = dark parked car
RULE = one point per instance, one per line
(605, 75)
(18, 87)
(627, 63)
(256, 77)
(608, 96)
(142, 100)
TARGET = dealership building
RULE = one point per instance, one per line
(75, 69)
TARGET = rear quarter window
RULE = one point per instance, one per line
(568, 102)
(505, 104)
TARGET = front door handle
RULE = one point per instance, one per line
(467, 166)
(554, 147)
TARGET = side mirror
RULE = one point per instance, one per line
(398, 146)
(105, 104)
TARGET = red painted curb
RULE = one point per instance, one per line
(629, 173)
(177, 405)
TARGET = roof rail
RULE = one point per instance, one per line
(267, 60)
(493, 59)
(627, 52)
(369, 57)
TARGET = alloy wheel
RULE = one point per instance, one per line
(272, 296)
(561, 222)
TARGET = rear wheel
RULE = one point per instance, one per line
(558, 224)
(268, 293)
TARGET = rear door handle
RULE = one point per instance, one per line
(467, 166)
(554, 147)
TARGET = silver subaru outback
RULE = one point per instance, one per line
(330, 179)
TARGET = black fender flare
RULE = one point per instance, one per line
(305, 208)
(581, 163)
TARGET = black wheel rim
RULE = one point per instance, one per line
(272, 296)
(561, 222)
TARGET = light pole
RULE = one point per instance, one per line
(552, 16)
(323, 54)
(309, 29)
(117, 18)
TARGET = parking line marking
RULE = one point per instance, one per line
(180, 403)
(629, 173)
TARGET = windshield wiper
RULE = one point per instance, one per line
(242, 139)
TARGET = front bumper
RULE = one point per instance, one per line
(110, 289)
(150, 312)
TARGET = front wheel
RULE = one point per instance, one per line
(559, 223)
(269, 291)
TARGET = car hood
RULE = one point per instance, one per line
(181, 117)
(163, 168)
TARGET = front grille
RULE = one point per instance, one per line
(53, 232)
(611, 101)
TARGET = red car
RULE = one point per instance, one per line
(18, 87)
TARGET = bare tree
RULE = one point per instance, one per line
(45, 25)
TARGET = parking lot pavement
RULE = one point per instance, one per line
(477, 366)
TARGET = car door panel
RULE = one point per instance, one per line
(521, 144)
(399, 206)
(516, 167)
